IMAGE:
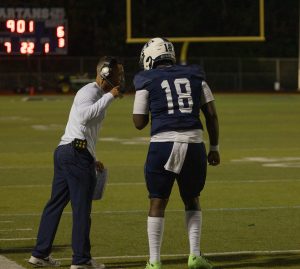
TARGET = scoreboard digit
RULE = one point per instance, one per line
(33, 31)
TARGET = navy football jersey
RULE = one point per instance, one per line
(174, 96)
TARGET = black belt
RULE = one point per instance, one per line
(79, 143)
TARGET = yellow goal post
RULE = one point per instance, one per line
(186, 40)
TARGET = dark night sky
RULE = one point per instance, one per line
(98, 27)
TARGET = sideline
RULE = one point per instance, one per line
(143, 183)
(211, 254)
(17, 239)
(8, 264)
(139, 211)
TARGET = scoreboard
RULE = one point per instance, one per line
(33, 31)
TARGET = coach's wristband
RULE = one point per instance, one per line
(214, 148)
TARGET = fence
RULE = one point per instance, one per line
(223, 74)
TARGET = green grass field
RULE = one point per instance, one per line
(251, 202)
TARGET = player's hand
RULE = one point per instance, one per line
(116, 92)
(99, 166)
(213, 158)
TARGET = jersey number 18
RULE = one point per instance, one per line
(181, 95)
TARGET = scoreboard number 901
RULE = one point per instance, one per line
(31, 31)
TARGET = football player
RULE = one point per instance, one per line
(174, 95)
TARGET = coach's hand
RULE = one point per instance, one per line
(116, 92)
(99, 166)
(213, 158)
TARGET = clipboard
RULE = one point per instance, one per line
(101, 181)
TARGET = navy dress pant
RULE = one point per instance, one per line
(74, 180)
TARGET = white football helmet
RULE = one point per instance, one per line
(156, 49)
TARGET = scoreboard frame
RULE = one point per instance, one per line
(33, 31)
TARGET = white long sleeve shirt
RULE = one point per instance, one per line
(86, 116)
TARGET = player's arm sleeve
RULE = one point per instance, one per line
(88, 110)
(141, 102)
(206, 94)
(141, 109)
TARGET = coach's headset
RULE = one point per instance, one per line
(106, 70)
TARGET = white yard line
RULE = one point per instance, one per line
(205, 210)
(17, 239)
(211, 254)
(143, 183)
(12, 230)
(26, 186)
(8, 264)
(137, 211)
(253, 208)
(258, 252)
(49, 185)
(25, 167)
(252, 181)
(6, 221)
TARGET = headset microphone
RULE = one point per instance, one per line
(122, 83)
(109, 82)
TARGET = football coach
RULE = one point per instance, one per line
(74, 168)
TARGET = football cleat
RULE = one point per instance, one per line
(198, 262)
(43, 262)
(153, 265)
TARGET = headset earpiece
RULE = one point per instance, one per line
(105, 71)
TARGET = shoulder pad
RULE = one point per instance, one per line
(141, 80)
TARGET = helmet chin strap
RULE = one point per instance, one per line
(121, 85)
